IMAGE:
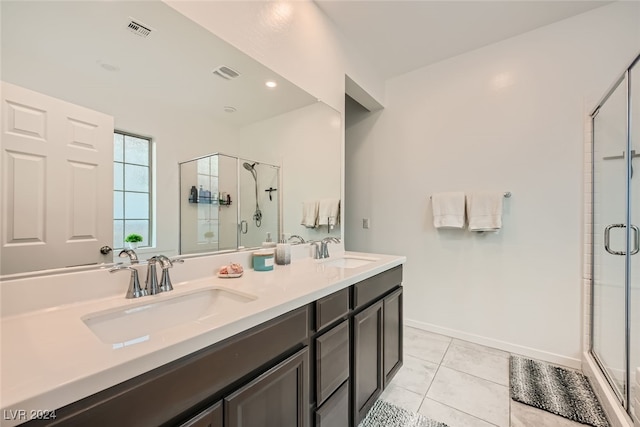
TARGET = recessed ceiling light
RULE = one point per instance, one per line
(271, 84)
(229, 109)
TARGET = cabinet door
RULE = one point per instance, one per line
(367, 359)
(392, 335)
(279, 397)
(211, 417)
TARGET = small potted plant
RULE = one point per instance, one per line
(132, 240)
(208, 235)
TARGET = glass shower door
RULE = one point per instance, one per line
(610, 245)
(634, 277)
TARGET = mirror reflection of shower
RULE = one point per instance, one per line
(257, 215)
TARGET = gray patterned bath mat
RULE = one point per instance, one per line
(557, 390)
(384, 414)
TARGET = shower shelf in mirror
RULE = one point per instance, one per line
(212, 202)
(219, 202)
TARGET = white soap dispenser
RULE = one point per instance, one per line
(283, 252)
(268, 243)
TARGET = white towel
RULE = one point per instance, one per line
(448, 210)
(310, 213)
(484, 210)
(328, 208)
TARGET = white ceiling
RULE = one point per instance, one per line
(400, 36)
(64, 49)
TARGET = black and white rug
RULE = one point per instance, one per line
(557, 390)
(385, 414)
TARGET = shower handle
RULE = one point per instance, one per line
(607, 239)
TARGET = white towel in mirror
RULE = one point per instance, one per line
(448, 210)
(328, 211)
(310, 213)
(484, 210)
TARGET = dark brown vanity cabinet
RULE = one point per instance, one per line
(279, 397)
(320, 365)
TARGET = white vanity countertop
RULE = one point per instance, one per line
(51, 358)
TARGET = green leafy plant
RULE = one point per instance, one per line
(208, 234)
(133, 238)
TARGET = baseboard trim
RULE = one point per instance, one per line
(556, 359)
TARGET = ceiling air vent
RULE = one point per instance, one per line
(226, 72)
(137, 28)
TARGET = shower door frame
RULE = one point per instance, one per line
(624, 399)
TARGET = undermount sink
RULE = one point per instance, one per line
(350, 261)
(134, 324)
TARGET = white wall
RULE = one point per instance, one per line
(507, 117)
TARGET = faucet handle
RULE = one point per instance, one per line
(166, 263)
(134, 291)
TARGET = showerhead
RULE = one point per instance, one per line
(252, 169)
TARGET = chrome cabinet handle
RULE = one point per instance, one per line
(636, 239)
(244, 226)
(607, 232)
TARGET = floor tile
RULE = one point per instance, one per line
(475, 361)
(527, 416)
(415, 375)
(475, 396)
(402, 397)
(450, 416)
(425, 345)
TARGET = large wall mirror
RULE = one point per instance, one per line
(153, 75)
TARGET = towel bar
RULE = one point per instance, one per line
(507, 194)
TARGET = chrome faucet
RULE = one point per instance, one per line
(322, 251)
(166, 264)
(324, 246)
(133, 257)
(134, 290)
(151, 284)
(299, 238)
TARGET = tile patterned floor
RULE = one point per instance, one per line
(461, 384)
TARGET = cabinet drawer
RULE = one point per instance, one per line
(331, 308)
(374, 287)
(332, 361)
(335, 412)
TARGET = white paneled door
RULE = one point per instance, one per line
(57, 182)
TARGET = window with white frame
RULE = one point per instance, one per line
(132, 188)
